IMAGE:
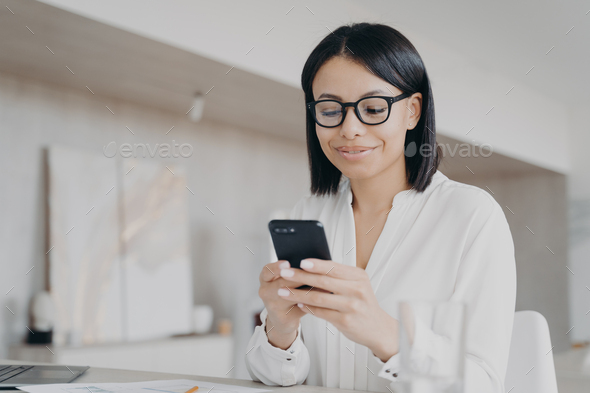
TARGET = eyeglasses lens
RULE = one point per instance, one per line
(372, 111)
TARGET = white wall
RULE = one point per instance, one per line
(523, 124)
(579, 193)
(240, 174)
(579, 143)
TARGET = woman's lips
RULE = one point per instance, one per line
(355, 156)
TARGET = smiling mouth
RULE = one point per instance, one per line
(353, 150)
(354, 155)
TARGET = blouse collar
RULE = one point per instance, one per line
(402, 196)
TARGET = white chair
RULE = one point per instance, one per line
(530, 362)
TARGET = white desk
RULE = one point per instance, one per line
(96, 375)
(568, 381)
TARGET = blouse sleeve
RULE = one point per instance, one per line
(271, 365)
(274, 366)
(486, 283)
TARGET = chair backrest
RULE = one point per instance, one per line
(530, 363)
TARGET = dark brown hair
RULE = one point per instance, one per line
(391, 56)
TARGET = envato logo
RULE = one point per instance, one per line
(464, 150)
(164, 150)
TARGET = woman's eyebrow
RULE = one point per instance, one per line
(335, 97)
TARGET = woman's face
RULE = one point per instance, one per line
(346, 81)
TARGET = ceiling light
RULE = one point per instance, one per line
(196, 111)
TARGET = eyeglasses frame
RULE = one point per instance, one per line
(390, 101)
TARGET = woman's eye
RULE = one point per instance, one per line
(331, 113)
(374, 111)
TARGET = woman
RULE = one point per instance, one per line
(397, 228)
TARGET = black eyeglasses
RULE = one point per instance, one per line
(369, 110)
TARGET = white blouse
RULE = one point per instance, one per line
(450, 242)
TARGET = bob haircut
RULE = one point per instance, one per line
(389, 55)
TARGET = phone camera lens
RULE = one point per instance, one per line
(284, 230)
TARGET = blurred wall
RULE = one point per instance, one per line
(579, 198)
(535, 206)
(241, 175)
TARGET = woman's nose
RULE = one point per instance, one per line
(352, 126)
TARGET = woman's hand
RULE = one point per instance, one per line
(351, 307)
(283, 316)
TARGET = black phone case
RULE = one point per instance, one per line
(295, 240)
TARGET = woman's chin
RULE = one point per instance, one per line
(357, 174)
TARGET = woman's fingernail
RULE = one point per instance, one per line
(283, 292)
(300, 305)
(287, 272)
(284, 265)
(306, 264)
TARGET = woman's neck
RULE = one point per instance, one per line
(375, 194)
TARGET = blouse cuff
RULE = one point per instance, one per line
(389, 369)
(284, 355)
(291, 359)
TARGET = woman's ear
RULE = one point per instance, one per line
(415, 108)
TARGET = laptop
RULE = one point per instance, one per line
(20, 375)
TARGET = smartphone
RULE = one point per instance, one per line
(295, 240)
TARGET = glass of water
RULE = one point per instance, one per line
(432, 347)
